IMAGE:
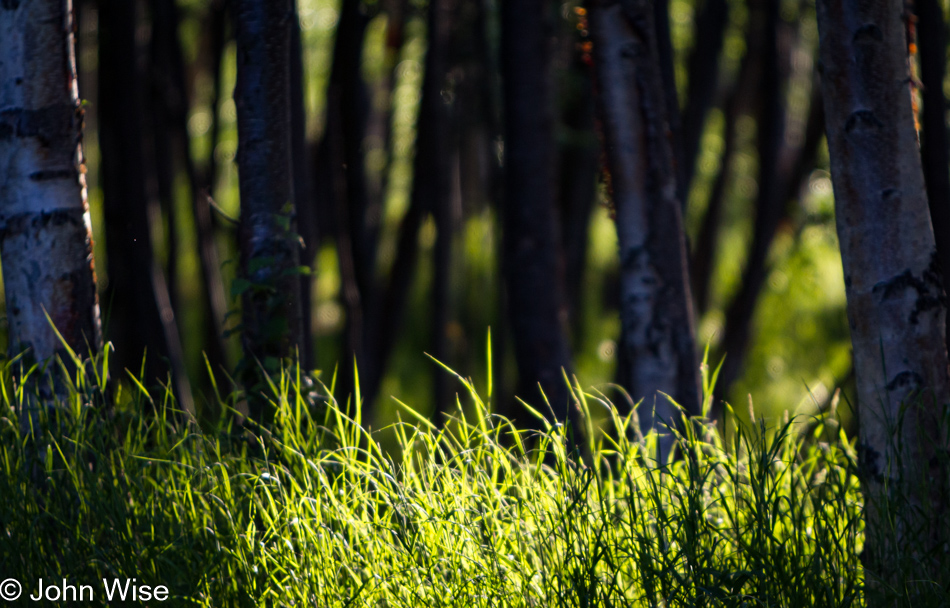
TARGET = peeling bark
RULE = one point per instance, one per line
(656, 309)
(269, 251)
(45, 231)
(896, 301)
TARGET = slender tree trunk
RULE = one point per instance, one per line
(770, 204)
(346, 78)
(935, 141)
(656, 305)
(303, 197)
(579, 164)
(738, 331)
(741, 95)
(269, 251)
(710, 31)
(218, 24)
(438, 174)
(674, 125)
(173, 153)
(707, 242)
(896, 301)
(430, 192)
(46, 236)
(141, 321)
(341, 156)
(529, 243)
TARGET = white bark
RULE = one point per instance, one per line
(45, 231)
(656, 305)
(896, 301)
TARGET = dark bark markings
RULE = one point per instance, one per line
(656, 309)
(887, 249)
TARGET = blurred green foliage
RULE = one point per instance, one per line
(800, 351)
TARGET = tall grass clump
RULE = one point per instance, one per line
(470, 512)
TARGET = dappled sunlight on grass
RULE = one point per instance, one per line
(473, 512)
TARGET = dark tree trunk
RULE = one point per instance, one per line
(707, 243)
(347, 81)
(740, 97)
(579, 162)
(169, 90)
(935, 144)
(780, 183)
(140, 320)
(341, 157)
(218, 25)
(656, 305)
(896, 301)
(769, 204)
(529, 246)
(430, 194)
(269, 251)
(664, 47)
(303, 195)
(436, 167)
(703, 68)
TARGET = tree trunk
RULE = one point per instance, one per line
(896, 302)
(46, 236)
(342, 157)
(303, 197)
(444, 155)
(140, 320)
(218, 18)
(171, 88)
(935, 144)
(709, 34)
(656, 308)
(579, 165)
(674, 126)
(529, 243)
(269, 252)
(770, 203)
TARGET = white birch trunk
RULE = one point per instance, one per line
(896, 302)
(656, 305)
(45, 232)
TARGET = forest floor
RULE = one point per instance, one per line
(473, 512)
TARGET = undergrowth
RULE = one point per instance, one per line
(472, 512)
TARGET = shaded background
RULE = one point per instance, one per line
(161, 139)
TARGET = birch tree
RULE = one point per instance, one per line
(45, 231)
(896, 302)
(656, 305)
(269, 250)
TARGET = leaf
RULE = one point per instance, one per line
(239, 286)
(260, 263)
(298, 270)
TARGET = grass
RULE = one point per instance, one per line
(476, 512)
